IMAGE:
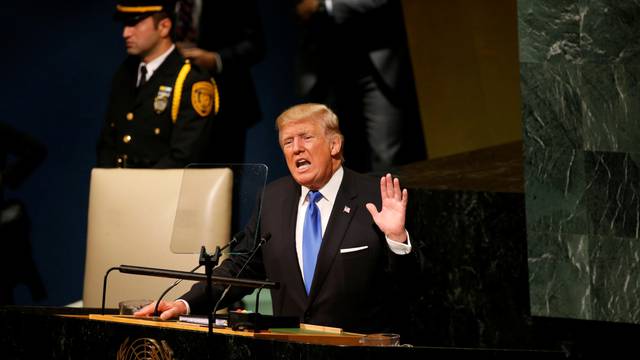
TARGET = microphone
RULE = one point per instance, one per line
(263, 240)
(234, 240)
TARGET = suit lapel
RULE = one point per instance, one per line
(334, 234)
(289, 206)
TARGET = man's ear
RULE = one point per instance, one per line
(335, 145)
(165, 27)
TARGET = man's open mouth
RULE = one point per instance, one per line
(302, 164)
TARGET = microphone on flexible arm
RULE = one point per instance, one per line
(263, 240)
(234, 240)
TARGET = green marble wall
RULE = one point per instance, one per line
(580, 84)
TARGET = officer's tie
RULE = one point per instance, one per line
(311, 238)
(143, 75)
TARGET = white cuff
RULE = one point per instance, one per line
(328, 4)
(399, 248)
(187, 305)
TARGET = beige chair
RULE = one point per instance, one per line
(132, 220)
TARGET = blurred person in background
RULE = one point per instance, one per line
(225, 37)
(20, 155)
(353, 56)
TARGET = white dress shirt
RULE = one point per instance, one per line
(154, 64)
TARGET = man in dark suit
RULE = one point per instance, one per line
(353, 55)
(161, 107)
(20, 155)
(338, 259)
(225, 38)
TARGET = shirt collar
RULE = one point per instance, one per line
(330, 190)
(154, 64)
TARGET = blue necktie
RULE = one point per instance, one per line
(311, 239)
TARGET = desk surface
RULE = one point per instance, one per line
(295, 335)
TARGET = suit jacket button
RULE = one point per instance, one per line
(156, 131)
(126, 139)
(129, 116)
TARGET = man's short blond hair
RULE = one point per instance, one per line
(310, 111)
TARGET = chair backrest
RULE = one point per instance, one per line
(131, 221)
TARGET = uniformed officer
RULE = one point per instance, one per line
(161, 107)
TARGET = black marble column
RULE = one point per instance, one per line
(466, 216)
(581, 115)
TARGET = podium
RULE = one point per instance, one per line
(63, 333)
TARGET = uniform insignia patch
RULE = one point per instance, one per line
(202, 97)
(162, 99)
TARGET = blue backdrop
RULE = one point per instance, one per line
(58, 59)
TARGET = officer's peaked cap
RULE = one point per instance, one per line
(133, 11)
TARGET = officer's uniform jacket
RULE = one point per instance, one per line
(161, 124)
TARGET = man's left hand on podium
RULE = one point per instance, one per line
(168, 309)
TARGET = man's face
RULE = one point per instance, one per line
(311, 155)
(142, 38)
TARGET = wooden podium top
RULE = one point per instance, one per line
(308, 334)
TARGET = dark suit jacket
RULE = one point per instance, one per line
(350, 290)
(359, 36)
(233, 29)
(155, 141)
